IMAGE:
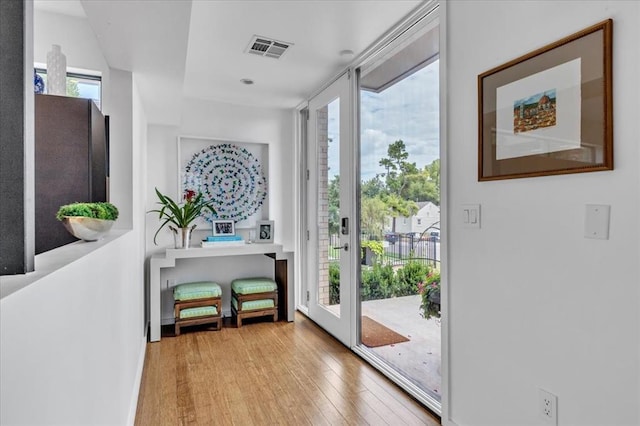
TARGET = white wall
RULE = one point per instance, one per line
(123, 164)
(75, 37)
(73, 341)
(234, 123)
(532, 303)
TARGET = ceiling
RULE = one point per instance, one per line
(197, 49)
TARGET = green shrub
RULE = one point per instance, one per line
(381, 281)
(377, 282)
(334, 283)
(94, 210)
(408, 278)
(374, 246)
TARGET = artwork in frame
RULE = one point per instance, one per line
(264, 231)
(223, 228)
(550, 111)
(233, 174)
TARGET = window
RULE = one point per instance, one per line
(79, 85)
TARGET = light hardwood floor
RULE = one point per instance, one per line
(267, 374)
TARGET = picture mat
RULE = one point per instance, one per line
(594, 46)
(565, 135)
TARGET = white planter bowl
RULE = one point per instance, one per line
(87, 228)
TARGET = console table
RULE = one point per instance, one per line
(283, 275)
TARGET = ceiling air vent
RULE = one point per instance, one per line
(264, 46)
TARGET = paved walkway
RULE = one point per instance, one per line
(419, 358)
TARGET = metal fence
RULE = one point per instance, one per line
(398, 249)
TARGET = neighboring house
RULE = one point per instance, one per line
(427, 215)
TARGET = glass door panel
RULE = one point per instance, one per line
(328, 210)
(400, 213)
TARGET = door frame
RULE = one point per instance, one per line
(413, 19)
(340, 325)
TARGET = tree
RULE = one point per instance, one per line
(397, 168)
(373, 214)
(372, 188)
(434, 173)
(425, 184)
(397, 206)
(72, 88)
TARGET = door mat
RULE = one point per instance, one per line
(375, 334)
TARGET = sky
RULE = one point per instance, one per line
(408, 110)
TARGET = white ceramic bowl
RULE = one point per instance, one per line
(87, 228)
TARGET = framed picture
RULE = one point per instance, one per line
(550, 111)
(223, 227)
(264, 231)
(232, 174)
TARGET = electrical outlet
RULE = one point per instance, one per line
(548, 407)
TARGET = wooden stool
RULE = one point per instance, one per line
(254, 297)
(197, 303)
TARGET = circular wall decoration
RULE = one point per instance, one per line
(231, 177)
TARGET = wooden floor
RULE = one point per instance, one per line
(267, 373)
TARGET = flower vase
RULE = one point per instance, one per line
(56, 71)
(182, 236)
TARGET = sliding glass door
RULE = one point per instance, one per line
(399, 202)
(372, 221)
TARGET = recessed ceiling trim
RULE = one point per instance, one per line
(265, 46)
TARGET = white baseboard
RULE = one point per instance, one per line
(133, 407)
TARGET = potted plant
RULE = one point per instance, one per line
(88, 221)
(429, 290)
(181, 215)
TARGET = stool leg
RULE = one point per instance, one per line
(177, 329)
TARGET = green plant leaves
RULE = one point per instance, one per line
(101, 210)
(179, 215)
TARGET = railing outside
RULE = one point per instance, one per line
(398, 249)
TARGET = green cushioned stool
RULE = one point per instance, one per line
(254, 297)
(197, 303)
(253, 285)
(197, 290)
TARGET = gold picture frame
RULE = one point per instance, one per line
(550, 111)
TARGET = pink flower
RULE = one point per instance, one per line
(189, 194)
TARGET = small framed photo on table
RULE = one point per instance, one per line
(223, 228)
(264, 231)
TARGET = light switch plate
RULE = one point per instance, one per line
(471, 216)
(596, 221)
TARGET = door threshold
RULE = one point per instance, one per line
(420, 395)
